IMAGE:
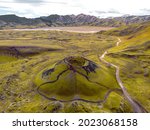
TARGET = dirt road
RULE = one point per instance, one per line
(137, 107)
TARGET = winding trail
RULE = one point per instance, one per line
(137, 107)
(77, 98)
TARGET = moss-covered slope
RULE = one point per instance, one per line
(75, 78)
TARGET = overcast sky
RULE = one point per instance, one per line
(101, 8)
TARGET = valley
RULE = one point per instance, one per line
(26, 54)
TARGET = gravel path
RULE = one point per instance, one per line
(137, 107)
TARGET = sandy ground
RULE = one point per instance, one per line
(82, 29)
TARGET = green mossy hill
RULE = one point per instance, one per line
(75, 78)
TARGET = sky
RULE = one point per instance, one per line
(99, 8)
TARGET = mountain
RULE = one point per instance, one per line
(13, 21)
(52, 20)
(124, 20)
(65, 20)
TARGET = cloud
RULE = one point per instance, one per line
(100, 8)
(100, 12)
(17, 9)
(111, 11)
(145, 10)
(28, 1)
(39, 2)
(7, 11)
(3, 7)
(4, 10)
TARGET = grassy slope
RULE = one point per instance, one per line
(133, 57)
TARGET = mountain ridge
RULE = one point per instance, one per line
(13, 21)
